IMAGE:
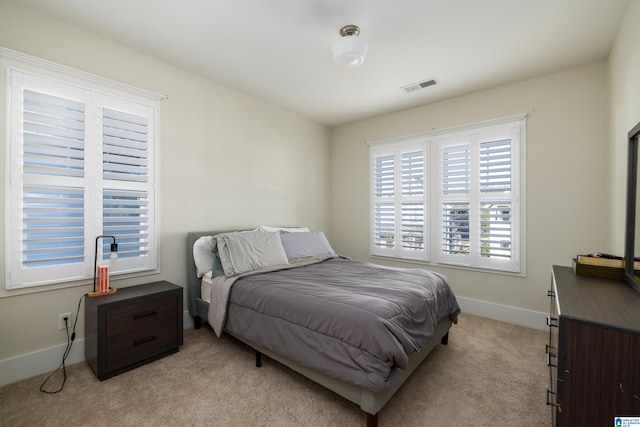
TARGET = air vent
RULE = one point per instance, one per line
(420, 85)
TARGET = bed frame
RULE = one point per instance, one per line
(369, 402)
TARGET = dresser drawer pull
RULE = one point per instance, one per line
(550, 350)
(144, 340)
(550, 397)
(145, 314)
(552, 322)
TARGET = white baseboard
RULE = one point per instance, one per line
(28, 365)
(504, 313)
(41, 361)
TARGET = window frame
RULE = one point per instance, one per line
(101, 93)
(515, 127)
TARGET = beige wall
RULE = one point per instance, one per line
(227, 160)
(624, 85)
(567, 172)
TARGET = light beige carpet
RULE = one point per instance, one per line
(490, 374)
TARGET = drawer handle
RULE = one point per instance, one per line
(550, 398)
(144, 340)
(552, 322)
(550, 350)
(145, 314)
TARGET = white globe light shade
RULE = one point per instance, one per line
(349, 51)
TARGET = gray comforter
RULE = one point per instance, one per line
(353, 321)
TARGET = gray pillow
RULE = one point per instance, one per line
(242, 252)
(305, 245)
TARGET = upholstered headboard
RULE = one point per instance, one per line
(193, 282)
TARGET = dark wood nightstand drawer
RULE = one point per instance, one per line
(141, 315)
(137, 325)
(120, 349)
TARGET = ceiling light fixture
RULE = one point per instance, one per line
(349, 51)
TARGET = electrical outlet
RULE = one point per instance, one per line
(61, 324)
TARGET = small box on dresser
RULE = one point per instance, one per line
(137, 325)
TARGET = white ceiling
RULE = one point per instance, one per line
(280, 50)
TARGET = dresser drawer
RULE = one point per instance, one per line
(138, 343)
(141, 316)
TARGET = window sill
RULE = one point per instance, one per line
(27, 290)
(430, 264)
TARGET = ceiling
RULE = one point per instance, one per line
(280, 50)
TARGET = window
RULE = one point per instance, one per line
(462, 207)
(81, 164)
(399, 201)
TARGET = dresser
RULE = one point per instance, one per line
(137, 325)
(593, 352)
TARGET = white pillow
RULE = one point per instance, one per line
(203, 255)
(248, 251)
(285, 229)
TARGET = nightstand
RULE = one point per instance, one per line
(137, 325)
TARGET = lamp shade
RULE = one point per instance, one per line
(349, 50)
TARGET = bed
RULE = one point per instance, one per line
(237, 298)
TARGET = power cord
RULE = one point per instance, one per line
(67, 350)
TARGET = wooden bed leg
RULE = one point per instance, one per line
(445, 339)
(372, 420)
(197, 322)
(258, 359)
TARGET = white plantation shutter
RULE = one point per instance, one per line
(496, 223)
(413, 173)
(412, 225)
(398, 202)
(127, 198)
(53, 170)
(477, 221)
(470, 196)
(126, 217)
(384, 224)
(455, 228)
(53, 135)
(81, 166)
(384, 221)
(126, 184)
(384, 175)
(495, 229)
(495, 166)
(125, 146)
(455, 161)
(456, 170)
(412, 207)
(53, 221)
